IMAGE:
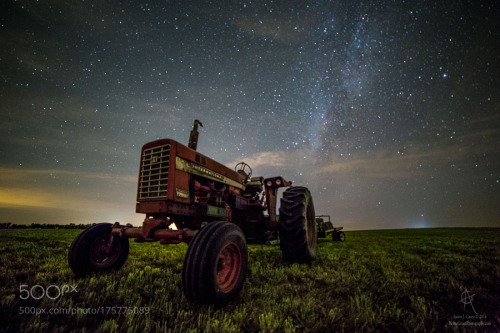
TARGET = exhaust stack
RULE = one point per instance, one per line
(193, 137)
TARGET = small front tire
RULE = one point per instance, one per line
(338, 236)
(96, 250)
(215, 265)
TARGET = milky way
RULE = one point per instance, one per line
(387, 111)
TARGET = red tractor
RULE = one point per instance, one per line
(188, 197)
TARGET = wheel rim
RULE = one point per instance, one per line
(228, 267)
(342, 236)
(103, 255)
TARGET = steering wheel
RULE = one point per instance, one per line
(242, 168)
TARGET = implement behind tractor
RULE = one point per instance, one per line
(325, 228)
(188, 197)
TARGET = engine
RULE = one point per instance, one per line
(176, 181)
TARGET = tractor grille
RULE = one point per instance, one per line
(154, 172)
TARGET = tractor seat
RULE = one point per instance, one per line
(255, 185)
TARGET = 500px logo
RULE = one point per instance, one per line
(38, 292)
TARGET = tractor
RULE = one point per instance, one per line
(188, 197)
(324, 228)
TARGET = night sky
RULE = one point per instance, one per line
(388, 111)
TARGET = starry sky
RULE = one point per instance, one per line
(388, 111)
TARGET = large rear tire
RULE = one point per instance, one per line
(96, 250)
(215, 265)
(297, 226)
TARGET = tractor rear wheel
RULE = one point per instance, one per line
(297, 226)
(96, 250)
(215, 265)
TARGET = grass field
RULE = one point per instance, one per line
(394, 280)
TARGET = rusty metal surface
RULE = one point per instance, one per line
(272, 185)
(175, 173)
(152, 231)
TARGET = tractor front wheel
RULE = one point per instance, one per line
(297, 226)
(96, 250)
(215, 264)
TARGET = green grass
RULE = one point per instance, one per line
(394, 280)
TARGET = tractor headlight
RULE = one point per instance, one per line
(278, 182)
(269, 183)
